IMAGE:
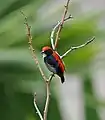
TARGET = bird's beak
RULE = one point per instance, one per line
(42, 52)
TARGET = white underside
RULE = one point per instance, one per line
(52, 69)
(44, 55)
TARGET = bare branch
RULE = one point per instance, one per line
(62, 22)
(47, 81)
(36, 107)
(47, 100)
(52, 35)
(31, 47)
(48, 96)
(77, 47)
(53, 31)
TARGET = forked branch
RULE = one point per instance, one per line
(31, 47)
(48, 96)
(54, 29)
(47, 81)
(62, 22)
(54, 46)
(36, 107)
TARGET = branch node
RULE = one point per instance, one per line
(29, 42)
(65, 6)
(70, 16)
(47, 81)
(35, 94)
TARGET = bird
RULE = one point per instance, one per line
(53, 62)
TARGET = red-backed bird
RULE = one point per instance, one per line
(53, 62)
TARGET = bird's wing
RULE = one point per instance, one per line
(59, 60)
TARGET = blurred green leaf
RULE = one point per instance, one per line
(91, 112)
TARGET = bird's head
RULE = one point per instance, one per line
(47, 51)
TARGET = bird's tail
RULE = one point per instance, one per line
(62, 79)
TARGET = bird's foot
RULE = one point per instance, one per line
(53, 75)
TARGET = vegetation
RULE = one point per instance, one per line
(19, 77)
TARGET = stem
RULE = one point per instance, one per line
(77, 47)
(36, 107)
(32, 49)
(62, 22)
(52, 35)
(53, 31)
(48, 96)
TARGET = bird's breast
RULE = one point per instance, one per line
(51, 63)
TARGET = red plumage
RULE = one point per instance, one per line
(53, 62)
(60, 62)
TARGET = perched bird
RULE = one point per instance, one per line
(53, 62)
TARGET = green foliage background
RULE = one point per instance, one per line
(19, 77)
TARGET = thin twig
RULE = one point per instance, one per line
(53, 31)
(77, 47)
(52, 35)
(31, 47)
(36, 107)
(62, 22)
(47, 81)
(48, 96)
